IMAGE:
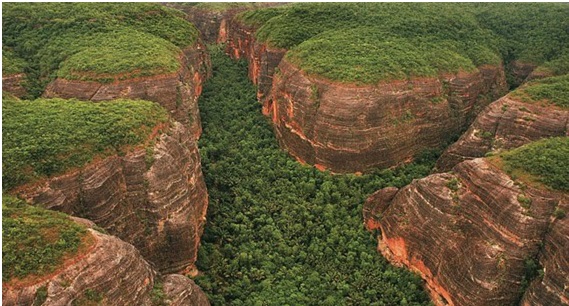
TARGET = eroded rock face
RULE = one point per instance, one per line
(111, 270)
(505, 124)
(154, 198)
(182, 291)
(263, 60)
(12, 83)
(469, 233)
(348, 128)
(177, 92)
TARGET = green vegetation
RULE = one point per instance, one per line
(545, 161)
(35, 241)
(341, 40)
(280, 233)
(225, 6)
(128, 53)
(554, 90)
(47, 34)
(48, 136)
(11, 64)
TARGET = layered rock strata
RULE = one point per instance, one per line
(153, 197)
(109, 272)
(349, 128)
(505, 124)
(12, 83)
(470, 234)
(177, 92)
(263, 60)
(182, 291)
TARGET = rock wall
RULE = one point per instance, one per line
(109, 272)
(182, 291)
(349, 128)
(263, 60)
(505, 124)
(153, 197)
(469, 235)
(12, 83)
(177, 92)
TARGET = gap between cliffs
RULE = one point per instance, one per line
(279, 232)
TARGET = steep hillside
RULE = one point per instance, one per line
(538, 109)
(489, 232)
(12, 73)
(51, 259)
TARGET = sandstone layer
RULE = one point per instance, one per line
(12, 83)
(349, 128)
(109, 272)
(470, 234)
(177, 92)
(505, 124)
(263, 60)
(153, 197)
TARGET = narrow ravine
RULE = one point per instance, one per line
(279, 232)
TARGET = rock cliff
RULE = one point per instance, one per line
(154, 198)
(349, 128)
(505, 124)
(472, 234)
(108, 272)
(177, 92)
(12, 83)
(263, 60)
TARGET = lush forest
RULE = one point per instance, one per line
(279, 232)
(46, 137)
(93, 41)
(331, 39)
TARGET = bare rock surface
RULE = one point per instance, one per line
(153, 197)
(469, 234)
(181, 291)
(12, 83)
(349, 128)
(505, 124)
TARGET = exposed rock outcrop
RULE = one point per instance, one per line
(470, 233)
(12, 83)
(153, 197)
(181, 291)
(108, 272)
(263, 60)
(505, 124)
(349, 128)
(111, 271)
(177, 92)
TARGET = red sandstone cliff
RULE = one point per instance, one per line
(154, 198)
(110, 271)
(349, 128)
(178, 92)
(468, 235)
(12, 83)
(505, 124)
(262, 59)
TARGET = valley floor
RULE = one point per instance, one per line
(279, 232)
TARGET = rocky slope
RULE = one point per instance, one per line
(472, 235)
(12, 83)
(177, 92)
(263, 60)
(154, 197)
(349, 128)
(109, 272)
(505, 124)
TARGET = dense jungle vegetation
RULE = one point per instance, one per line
(319, 36)
(93, 41)
(280, 233)
(35, 240)
(45, 137)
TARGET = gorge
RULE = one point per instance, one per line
(237, 173)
